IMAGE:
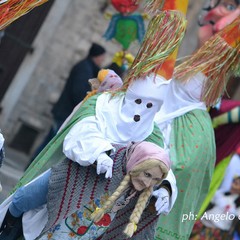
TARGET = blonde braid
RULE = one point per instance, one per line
(137, 211)
(99, 212)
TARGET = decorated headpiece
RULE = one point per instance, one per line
(11, 10)
(218, 59)
(165, 31)
(141, 151)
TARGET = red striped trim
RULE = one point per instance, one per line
(139, 229)
(83, 188)
(119, 216)
(143, 227)
(115, 237)
(94, 187)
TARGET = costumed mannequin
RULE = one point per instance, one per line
(187, 128)
(117, 118)
(150, 46)
(145, 166)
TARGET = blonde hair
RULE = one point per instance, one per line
(142, 200)
(102, 74)
(137, 211)
(148, 164)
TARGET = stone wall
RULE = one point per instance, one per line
(64, 38)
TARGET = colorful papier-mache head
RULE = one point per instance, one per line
(217, 59)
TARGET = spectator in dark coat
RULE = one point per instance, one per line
(77, 83)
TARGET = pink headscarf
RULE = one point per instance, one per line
(139, 152)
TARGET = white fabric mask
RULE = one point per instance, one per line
(182, 98)
(130, 118)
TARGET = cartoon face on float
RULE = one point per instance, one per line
(215, 15)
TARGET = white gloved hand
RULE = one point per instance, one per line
(104, 165)
(162, 203)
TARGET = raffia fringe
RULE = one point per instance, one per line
(164, 34)
(218, 61)
(13, 9)
(154, 6)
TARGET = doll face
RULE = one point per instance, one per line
(111, 82)
(147, 178)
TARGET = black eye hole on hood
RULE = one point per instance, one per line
(149, 105)
(138, 101)
(136, 118)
